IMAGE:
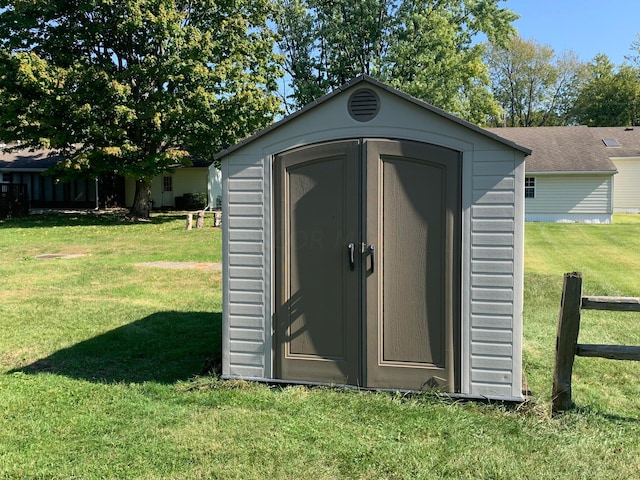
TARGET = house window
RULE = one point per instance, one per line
(167, 184)
(6, 177)
(529, 187)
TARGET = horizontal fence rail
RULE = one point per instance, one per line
(567, 346)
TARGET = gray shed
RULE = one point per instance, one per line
(373, 240)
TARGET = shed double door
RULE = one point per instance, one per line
(367, 264)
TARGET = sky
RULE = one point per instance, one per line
(587, 27)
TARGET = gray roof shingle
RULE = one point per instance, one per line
(578, 149)
(38, 160)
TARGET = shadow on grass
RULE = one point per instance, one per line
(164, 347)
(86, 218)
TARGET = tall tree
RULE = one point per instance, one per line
(425, 47)
(134, 86)
(327, 42)
(610, 96)
(533, 86)
(433, 55)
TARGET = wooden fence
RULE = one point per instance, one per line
(567, 346)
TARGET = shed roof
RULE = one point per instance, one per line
(577, 149)
(370, 80)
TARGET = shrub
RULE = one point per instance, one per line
(194, 201)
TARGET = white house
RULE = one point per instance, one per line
(373, 240)
(579, 173)
(168, 188)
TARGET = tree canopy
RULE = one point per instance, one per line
(135, 86)
(610, 96)
(427, 48)
(533, 85)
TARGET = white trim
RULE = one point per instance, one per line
(269, 261)
(465, 271)
(518, 281)
(595, 218)
(580, 172)
(225, 272)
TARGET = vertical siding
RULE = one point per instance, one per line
(244, 278)
(493, 271)
(625, 186)
(571, 194)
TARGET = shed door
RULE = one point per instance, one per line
(317, 312)
(388, 318)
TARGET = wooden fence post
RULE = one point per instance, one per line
(189, 221)
(200, 219)
(217, 218)
(566, 341)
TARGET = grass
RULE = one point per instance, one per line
(607, 256)
(100, 362)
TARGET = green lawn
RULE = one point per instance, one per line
(100, 357)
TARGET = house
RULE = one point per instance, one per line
(623, 148)
(373, 240)
(578, 173)
(24, 167)
(167, 189)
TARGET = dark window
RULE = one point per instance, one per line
(167, 184)
(529, 187)
(7, 178)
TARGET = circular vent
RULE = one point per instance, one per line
(364, 105)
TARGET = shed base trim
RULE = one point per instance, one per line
(452, 396)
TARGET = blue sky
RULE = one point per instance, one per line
(587, 27)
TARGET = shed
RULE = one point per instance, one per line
(373, 240)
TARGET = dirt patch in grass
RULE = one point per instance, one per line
(49, 256)
(182, 265)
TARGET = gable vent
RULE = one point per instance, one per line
(364, 105)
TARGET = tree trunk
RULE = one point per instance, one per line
(142, 200)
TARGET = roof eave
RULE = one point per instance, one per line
(378, 84)
(573, 172)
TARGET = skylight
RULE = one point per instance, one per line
(611, 142)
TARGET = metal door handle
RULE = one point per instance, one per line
(352, 260)
(372, 253)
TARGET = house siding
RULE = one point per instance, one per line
(626, 194)
(244, 273)
(495, 250)
(492, 241)
(571, 198)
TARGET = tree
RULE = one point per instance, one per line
(427, 48)
(610, 97)
(327, 42)
(134, 86)
(533, 86)
(433, 56)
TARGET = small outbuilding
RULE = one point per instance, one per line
(373, 240)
